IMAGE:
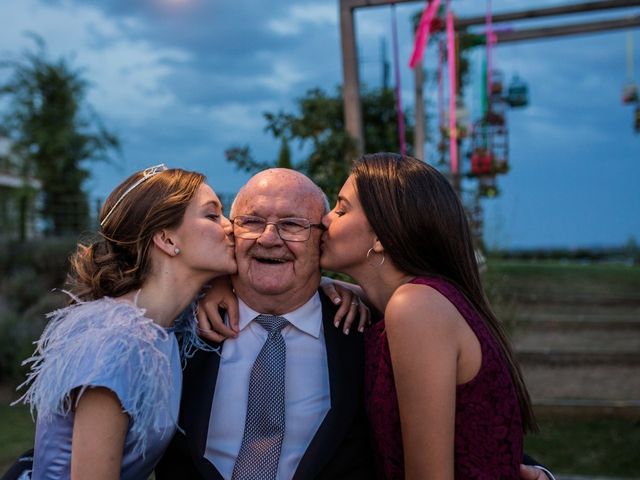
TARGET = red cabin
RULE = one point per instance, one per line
(481, 162)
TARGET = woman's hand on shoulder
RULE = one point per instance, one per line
(99, 431)
(219, 295)
(350, 301)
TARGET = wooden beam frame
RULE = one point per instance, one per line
(351, 83)
(564, 30)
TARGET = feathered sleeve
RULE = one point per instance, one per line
(186, 329)
(108, 344)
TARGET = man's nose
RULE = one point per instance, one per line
(270, 235)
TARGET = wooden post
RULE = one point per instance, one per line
(351, 85)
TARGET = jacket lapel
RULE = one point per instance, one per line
(344, 360)
(199, 383)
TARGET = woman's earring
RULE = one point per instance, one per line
(176, 251)
(376, 264)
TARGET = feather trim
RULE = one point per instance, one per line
(186, 329)
(90, 342)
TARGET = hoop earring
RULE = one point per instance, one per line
(369, 254)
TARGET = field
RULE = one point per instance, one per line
(576, 330)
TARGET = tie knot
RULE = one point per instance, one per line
(271, 323)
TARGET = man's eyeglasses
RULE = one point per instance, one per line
(290, 229)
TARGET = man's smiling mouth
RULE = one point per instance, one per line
(271, 261)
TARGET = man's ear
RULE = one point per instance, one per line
(165, 241)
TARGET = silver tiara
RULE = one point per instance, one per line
(146, 175)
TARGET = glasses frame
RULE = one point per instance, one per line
(249, 235)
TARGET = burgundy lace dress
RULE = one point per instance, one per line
(488, 425)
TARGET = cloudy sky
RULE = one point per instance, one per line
(180, 81)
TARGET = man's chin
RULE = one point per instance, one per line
(268, 280)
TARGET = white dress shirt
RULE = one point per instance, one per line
(307, 394)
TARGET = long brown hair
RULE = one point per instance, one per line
(118, 261)
(423, 227)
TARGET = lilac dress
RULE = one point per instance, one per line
(488, 425)
(110, 344)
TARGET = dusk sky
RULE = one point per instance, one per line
(179, 81)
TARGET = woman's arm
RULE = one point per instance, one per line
(99, 431)
(421, 330)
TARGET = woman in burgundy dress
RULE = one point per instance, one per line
(445, 397)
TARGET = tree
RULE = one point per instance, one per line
(318, 125)
(54, 132)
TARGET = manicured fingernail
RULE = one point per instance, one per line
(337, 323)
(361, 329)
(337, 300)
(346, 331)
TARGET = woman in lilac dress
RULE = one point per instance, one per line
(106, 376)
(445, 397)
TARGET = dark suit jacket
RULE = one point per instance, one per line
(340, 448)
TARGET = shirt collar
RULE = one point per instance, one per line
(307, 318)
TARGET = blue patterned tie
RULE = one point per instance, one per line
(264, 426)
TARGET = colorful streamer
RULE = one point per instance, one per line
(451, 59)
(489, 43)
(423, 31)
(441, 115)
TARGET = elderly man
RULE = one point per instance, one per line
(315, 425)
(321, 433)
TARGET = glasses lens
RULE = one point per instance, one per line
(294, 229)
(293, 225)
(248, 227)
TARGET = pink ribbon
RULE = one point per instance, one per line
(423, 31)
(396, 63)
(491, 39)
(451, 60)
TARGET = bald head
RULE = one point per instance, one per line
(271, 180)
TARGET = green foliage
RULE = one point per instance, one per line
(47, 257)
(318, 128)
(597, 446)
(30, 271)
(16, 435)
(53, 132)
(284, 158)
(241, 156)
(16, 344)
(23, 288)
(555, 276)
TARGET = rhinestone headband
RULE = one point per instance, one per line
(146, 175)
